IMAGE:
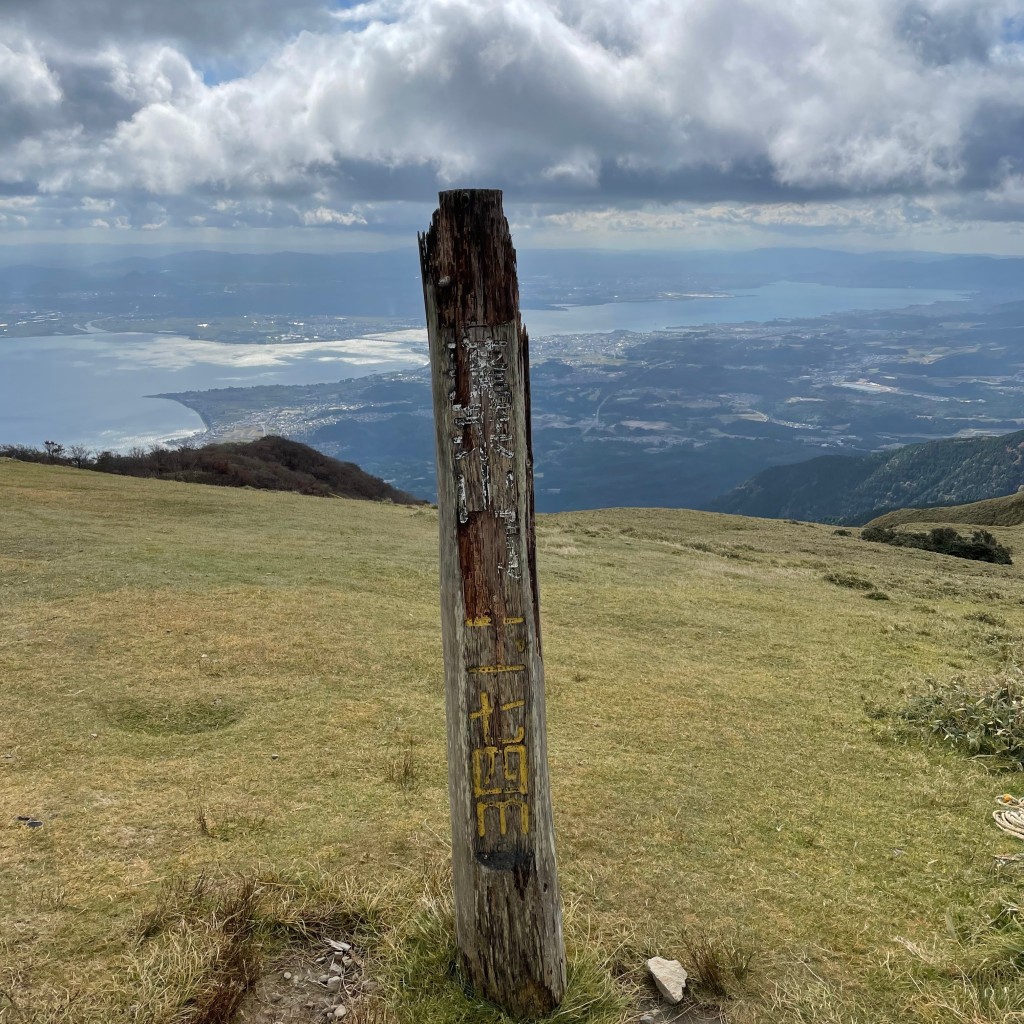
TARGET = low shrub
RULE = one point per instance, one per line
(981, 545)
(981, 719)
(268, 463)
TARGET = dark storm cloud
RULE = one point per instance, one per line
(569, 101)
(747, 180)
(993, 143)
(91, 97)
(942, 37)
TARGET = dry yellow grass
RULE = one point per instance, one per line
(198, 681)
(1005, 511)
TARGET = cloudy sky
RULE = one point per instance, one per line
(864, 123)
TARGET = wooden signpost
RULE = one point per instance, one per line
(508, 910)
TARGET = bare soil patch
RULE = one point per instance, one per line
(317, 985)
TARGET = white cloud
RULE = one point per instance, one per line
(324, 215)
(17, 202)
(155, 75)
(25, 77)
(585, 103)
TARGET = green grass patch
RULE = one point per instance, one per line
(169, 717)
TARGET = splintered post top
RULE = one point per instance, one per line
(467, 260)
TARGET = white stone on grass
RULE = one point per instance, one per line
(669, 976)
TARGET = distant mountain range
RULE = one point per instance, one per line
(204, 284)
(855, 489)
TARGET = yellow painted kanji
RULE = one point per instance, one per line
(502, 807)
(499, 770)
(485, 713)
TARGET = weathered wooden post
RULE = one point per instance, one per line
(508, 909)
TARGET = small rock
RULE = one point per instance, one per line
(34, 823)
(274, 757)
(333, 984)
(346, 960)
(648, 1018)
(669, 976)
(287, 975)
(341, 947)
(339, 1012)
(337, 969)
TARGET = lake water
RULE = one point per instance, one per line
(91, 389)
(782, 300)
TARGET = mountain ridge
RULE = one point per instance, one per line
(1007, 510)
(857, 489)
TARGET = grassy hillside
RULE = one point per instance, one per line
(853, 489)
(202, 685)
(1005, 511)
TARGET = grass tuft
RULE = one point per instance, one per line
(198, 953)
(705, 959)
(403, 770)
(982, 719)
(718, 962)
